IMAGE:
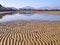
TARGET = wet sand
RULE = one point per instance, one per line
(48, 12)
(32, 12)
(30, 33)
(40, 12)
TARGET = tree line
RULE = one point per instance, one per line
(2, 8)
(39, 9)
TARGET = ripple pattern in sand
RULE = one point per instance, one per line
(26, 35)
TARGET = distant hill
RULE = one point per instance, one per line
(13, 8)
(28, 7)
(49, 7)
(56, 7)
(46, 7)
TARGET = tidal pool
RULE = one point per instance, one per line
(29, 17)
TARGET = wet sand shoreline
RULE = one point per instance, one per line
(32, 12)
(49, 12)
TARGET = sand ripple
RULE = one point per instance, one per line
(30, 33)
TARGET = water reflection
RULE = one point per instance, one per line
(1, 15)
(28, 14)
(29, 17)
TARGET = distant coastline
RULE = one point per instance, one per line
(31, 12)
(28, 10)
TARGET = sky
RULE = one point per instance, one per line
(33, 3)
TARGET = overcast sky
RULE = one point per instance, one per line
(33, 3)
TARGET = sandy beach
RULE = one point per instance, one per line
(40, 12)
(30, 33)
(32, 12)
(49, 12)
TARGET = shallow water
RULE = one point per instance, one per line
(29, 17)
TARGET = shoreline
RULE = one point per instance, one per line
(32, 12)
(21, 21)
(49, 12)
(7, 12)
(40, 12)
